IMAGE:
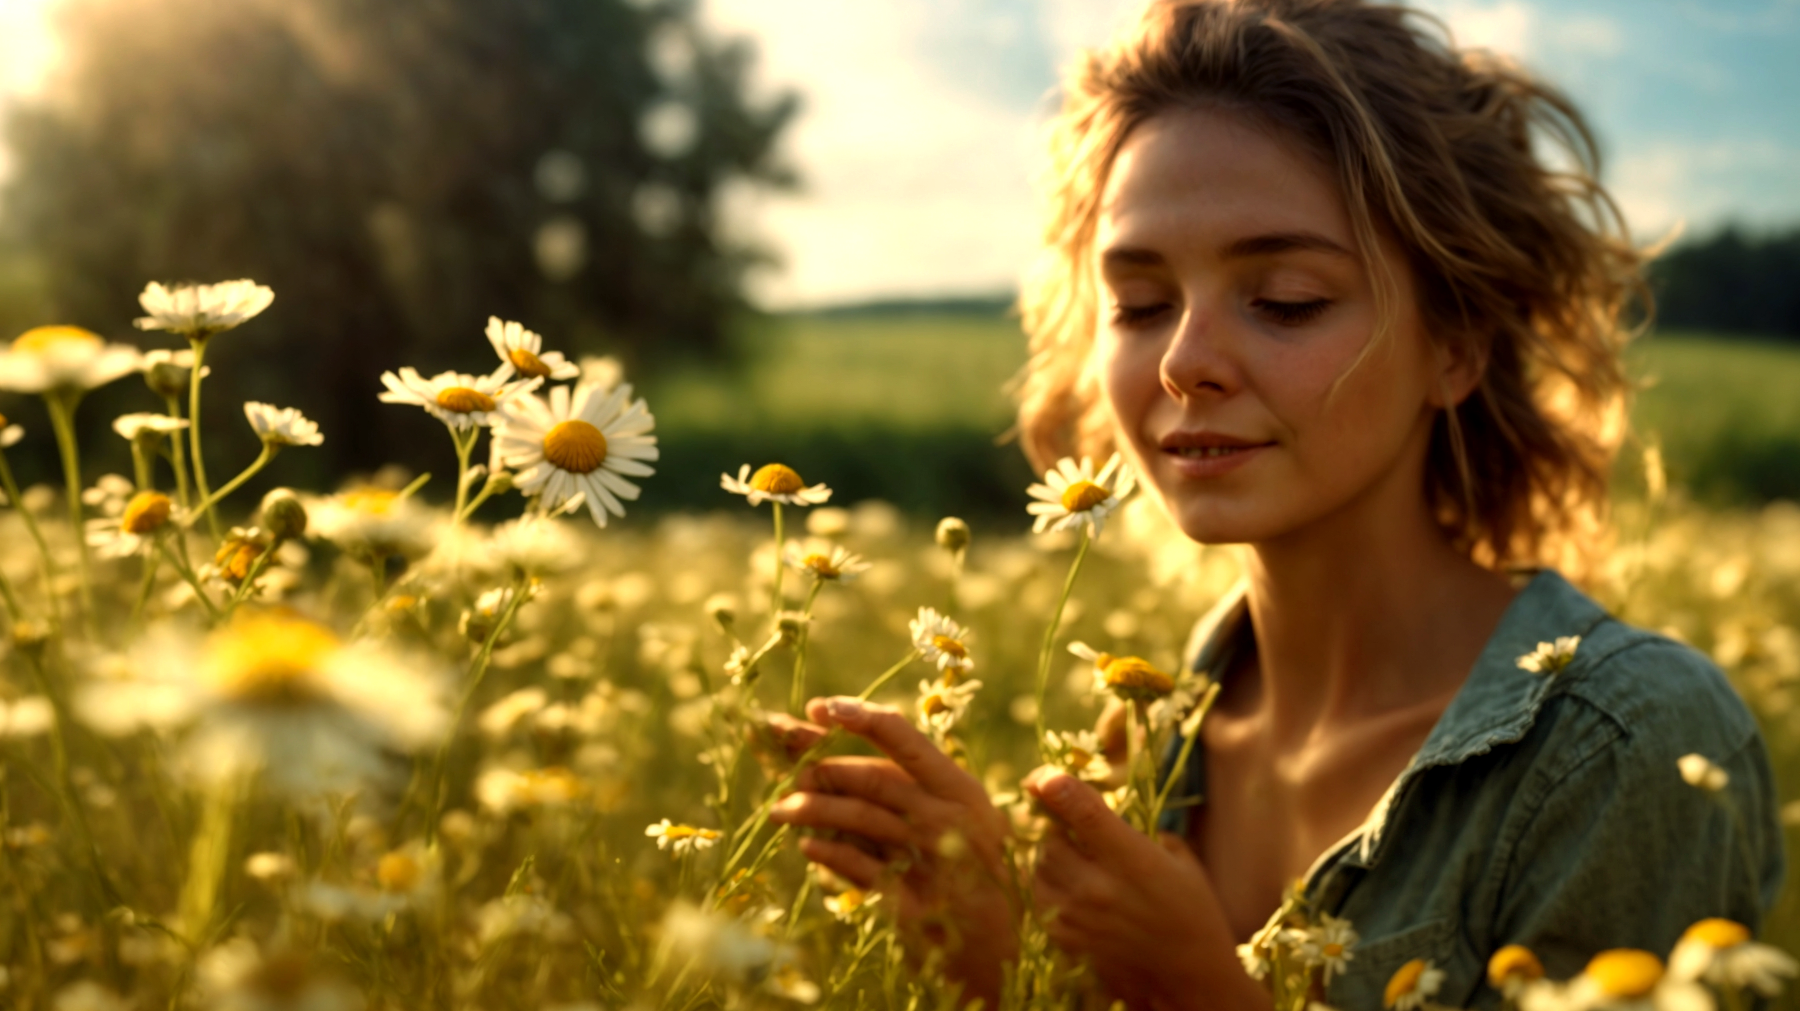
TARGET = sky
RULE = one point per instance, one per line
(921, 120)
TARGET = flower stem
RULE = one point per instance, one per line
(206, 504)
(62, 419)
(212, 516)
(775, 601)
(1044, 654)
(797, 697)
(208, 858)
(477, 671)
(187, 573)
(1190, 729)
(140, 467)
(144, 588)
(464, 444)
(178, 455)
(12, 495)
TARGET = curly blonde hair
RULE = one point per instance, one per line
(1527, 258)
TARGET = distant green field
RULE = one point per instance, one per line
(1725, 410)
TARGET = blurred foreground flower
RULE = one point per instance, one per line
(64, 359)
(1721, 952)
(1551, 657)
(682, 839)
(372, 523)
(275, 694)
(1072, 495)
(198, 311)
(1700, 772)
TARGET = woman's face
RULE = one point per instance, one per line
(1232, 299)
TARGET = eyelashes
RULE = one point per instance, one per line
(1281, 313)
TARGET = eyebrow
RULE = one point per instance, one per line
(1251, 246)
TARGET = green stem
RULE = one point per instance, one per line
(464, 444)
(178, 455)
(12, 601)
(212, 516)
(144, 588)
(1179, 769)
(775, 601)
(62, 419)
(140, 467)
(477, 672)
(797, 696)
(187, 573)
(208, 858)
(1049, 647)
(49, 564)
(886, 676)
(206, 504)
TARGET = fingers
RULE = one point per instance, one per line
(842, 814)
(844, 860)
(1060, 865)
(1110, 728)
(876, 780)
(1084, 813)
(795, 736)
(894, 734)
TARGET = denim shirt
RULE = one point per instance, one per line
(1544, 810)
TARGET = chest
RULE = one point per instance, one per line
(1269, 814)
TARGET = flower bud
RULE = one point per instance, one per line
(146, 513)
(166, 379)
(952, 534)
(498, 483)
(283, 515)
(722, 609)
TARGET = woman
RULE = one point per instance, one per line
(1306, 268)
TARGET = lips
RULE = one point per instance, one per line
(1209, 454)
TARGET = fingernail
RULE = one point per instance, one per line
(844, 709)
(1056, 787)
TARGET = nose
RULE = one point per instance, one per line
(1200, 358)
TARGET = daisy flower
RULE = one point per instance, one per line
(941, 641)
(1329, 946)
(281, 426)
(371, 522)
(457, 399)
(582, 445)
(504, 790)
(1412, 985)
(774, 482)
(49, 359)
(1079, 754)
(152, 427)
(535, 545)
(1551, 657)
(201, 310)
(1700, 772)
(523, 351)
(1622, 979)
(1721, 952)
(1131, 678)
(682, 839)
(274, 693)
(1512, 969)
(10, 434)
(828, 562)
(133, 529)
(1072, 494)
(942, 706)
(851, 904)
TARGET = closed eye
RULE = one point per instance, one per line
(1291, 313)
(1137, 315)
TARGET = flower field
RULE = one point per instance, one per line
(350, 748)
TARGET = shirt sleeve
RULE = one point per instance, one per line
(1623, 852)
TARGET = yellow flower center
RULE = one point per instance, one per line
(146, 511)
(1134, 675)
(1625, 972)
(398, 872)
(40, 339)
(268, 658)
(776, 479)
(1083, 495)
(679, 832)
(235, 557)
(575, 446)
(954, 647)
(820, 564)
(2, 422)
(463, 400)
(553, 783)
(1404, 980)
(1080, 757)
(1716, 933)
(1514, 961)
(1333, 950)
(850, 901)
(373, 501)
(528, 364)
(933, 704)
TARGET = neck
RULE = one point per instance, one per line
(1366, 612)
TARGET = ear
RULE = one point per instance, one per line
(1459, 363)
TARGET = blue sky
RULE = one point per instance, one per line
(919, 133)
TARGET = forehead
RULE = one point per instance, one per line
(1211, 176)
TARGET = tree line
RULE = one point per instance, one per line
(1731, 282)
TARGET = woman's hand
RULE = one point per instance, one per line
(926, 835)
(1141, 910)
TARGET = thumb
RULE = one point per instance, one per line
(1081, 808)
(1178, 848)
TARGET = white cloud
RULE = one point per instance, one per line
(1667, 183)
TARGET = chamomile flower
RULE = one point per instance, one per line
(281, 426)
(502, 790)
(1699, 772)
(1131, 678)
(1412, 985)
(851, 904)
(10, 434)
(583, 445)
(64, 359)
(1720, 952)
(941, 641)
(276, 693)
(1328, 946)
(523, 351)
(834, 563)
(682, 839)
(457, 399)
(536, 545)
(372, 522)
(149, 427)
(1078, 753)
(942, 706)
(132, 529)
(1551, 657)
(201, 310)
(1512, 969)
(1073, 495)
(1621, 979)
(774, 482)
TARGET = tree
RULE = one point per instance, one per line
(397, 172)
